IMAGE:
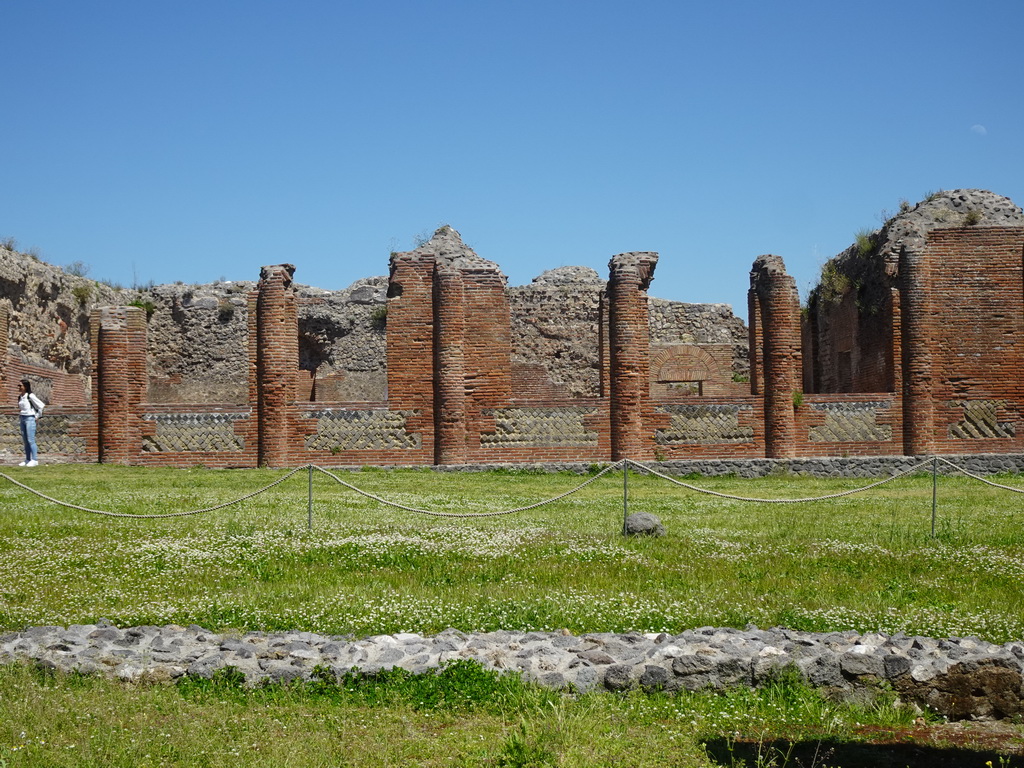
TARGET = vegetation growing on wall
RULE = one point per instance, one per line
(145, 304)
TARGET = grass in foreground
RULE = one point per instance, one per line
(862, 562)
(464, 716)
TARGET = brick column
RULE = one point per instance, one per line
(274, 362)
(449, 366)
(754, 342)
(916, 354)
(603, 344)
(629, 353)
(119, 351)
(5, 337)
(774, 296)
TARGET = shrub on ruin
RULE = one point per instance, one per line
(832, 284)
(77, 268)
(82, 293)
(225, 310)
(145, 304)
(865, 242)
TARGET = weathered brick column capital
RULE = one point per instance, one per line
(633, 268)
(766, 270)
(278, 272)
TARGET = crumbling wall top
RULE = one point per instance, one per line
(446, 248)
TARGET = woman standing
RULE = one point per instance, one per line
(30, 408)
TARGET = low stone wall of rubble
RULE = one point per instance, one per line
(825, 467)
(958, 677)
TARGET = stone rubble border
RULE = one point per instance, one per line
(959, 678)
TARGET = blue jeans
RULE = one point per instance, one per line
(28, 437)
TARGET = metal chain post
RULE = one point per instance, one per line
(309, 517)
(625, 494)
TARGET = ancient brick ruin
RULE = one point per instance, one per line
(911, 345)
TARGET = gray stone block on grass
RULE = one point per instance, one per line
(644, 524)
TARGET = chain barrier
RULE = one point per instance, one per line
(432, 513)
(622, 464)
(980, 479)
(826, 497)
(134, 516)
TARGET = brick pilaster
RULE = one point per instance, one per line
(630, 274)
(916, 348)
(776, 301)
(410, 343)
(119, 348)
(449, 366)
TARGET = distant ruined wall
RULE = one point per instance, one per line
(555, 324)
(197, 342)
(912, 344)
(48, 313)
(196, 338)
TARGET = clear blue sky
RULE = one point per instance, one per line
(199, 140)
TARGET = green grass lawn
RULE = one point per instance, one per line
(864, 562)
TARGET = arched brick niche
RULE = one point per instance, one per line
(687, 370)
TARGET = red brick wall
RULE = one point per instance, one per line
(488, 345)
(680, 372)
(5, 339)
(962, 302)
(853, 343)
(955, 324)
(755, 344)
(709, 428)
(157, 449)
(862, 424)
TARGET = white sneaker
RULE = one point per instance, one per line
(32, 464)
(22, 463)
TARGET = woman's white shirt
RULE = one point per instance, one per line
(26, 403)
